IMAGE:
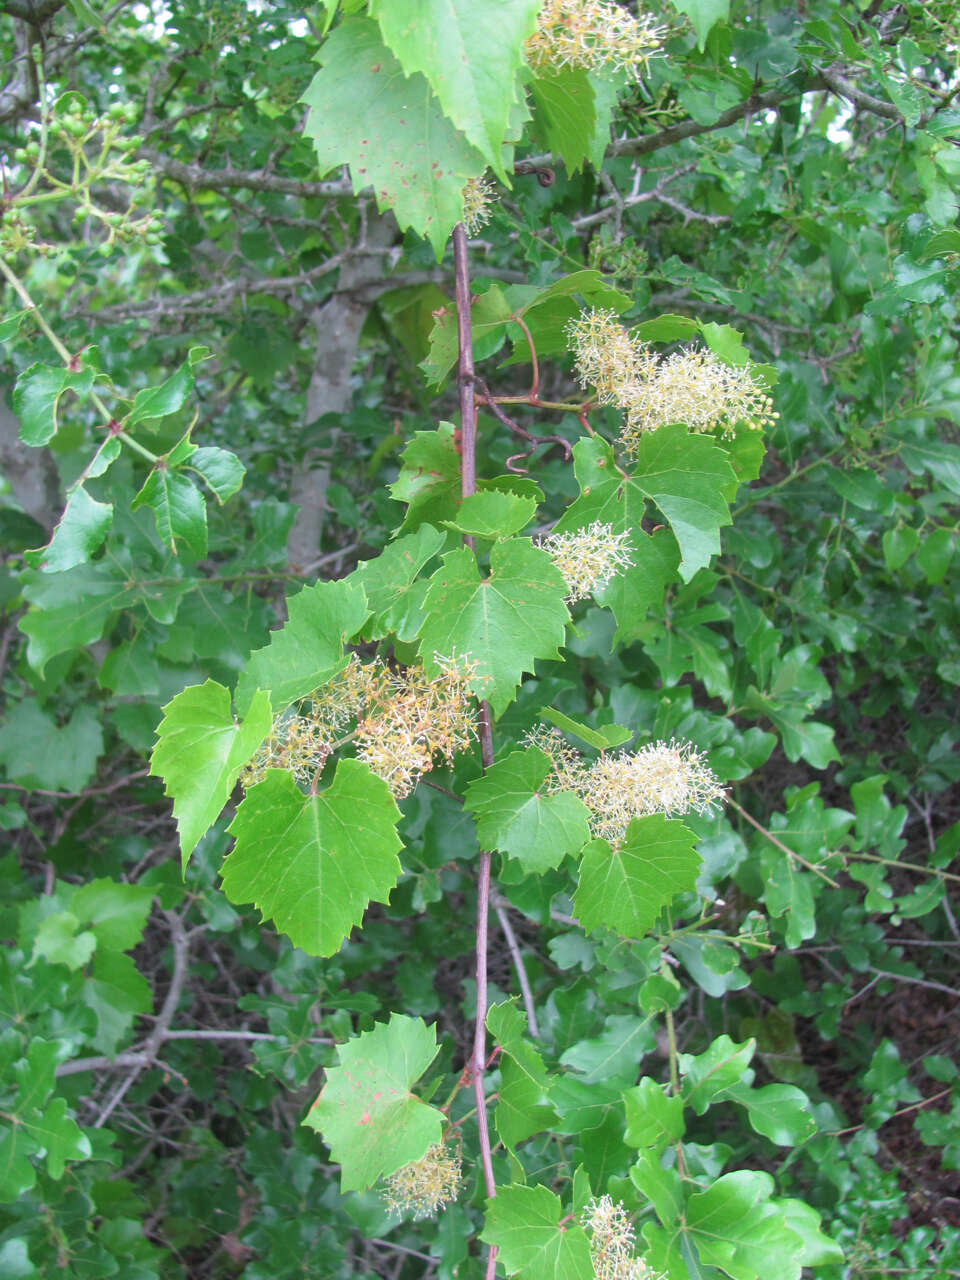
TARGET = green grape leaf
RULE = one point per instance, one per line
(565, 115)
(313, 863)
(626, 889)
(525, 1225)
(308, 651)
(36, 399)
(505, 622)
(221, 470)
(200, 751)
(685, 474)
(654, 1120)
(522, 1105)
(633, 592)
(666, 328)
(390, 130)
(548, 312)
(366, 1113)
(725, 341)
(539, 830)
(470, 54)
(703, 14)
(160, 402)
(736, 1226)
(71, 609)
(79, 533)
(388, 580)
(493, 514)
(429, 479)
(42, 756)
(178, 506)
(780, 1112)
(708, 1075)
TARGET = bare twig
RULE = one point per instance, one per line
(928, 983)
(518, 964)
(181, 947)
(196, 177)
(791, 853)
(468, 485)
(142, 1059)
(105, 790)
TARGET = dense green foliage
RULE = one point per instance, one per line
(252, 594)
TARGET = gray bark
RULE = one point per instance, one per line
(338, 323)
(31, 473)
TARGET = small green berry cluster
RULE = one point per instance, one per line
(74, 155)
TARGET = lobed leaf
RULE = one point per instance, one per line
(470, 54)
(525, 1225)
(200, 751)
(505, 621)
(627, 888)
(313, 863)
(367, 113)
(308, 651)
(366, 1113)
(514, 817)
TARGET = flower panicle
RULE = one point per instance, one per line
(426, 1185)
(295, 743)
(419, 718)
(479, 196)
(692, 386)
(607, 356)
(589, 558)
(671, 778)
(593, 35)
(567, 765)
(612, 1242)
(402, 721)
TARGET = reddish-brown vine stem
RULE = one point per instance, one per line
(493, 403)
(468, 485)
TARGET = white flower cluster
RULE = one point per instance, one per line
(424, 1186)
(691, 386)
(671, 778)
(612, 1242)
(588, 558)
(479, 195)
(595, 35)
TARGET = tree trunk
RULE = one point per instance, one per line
(338, 323)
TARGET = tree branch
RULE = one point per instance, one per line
(468, 485)
(220, 297)
(142, 1059)
(35, 14)
(195, 177)
(518, 964)
(844, 88)
(181, 948)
